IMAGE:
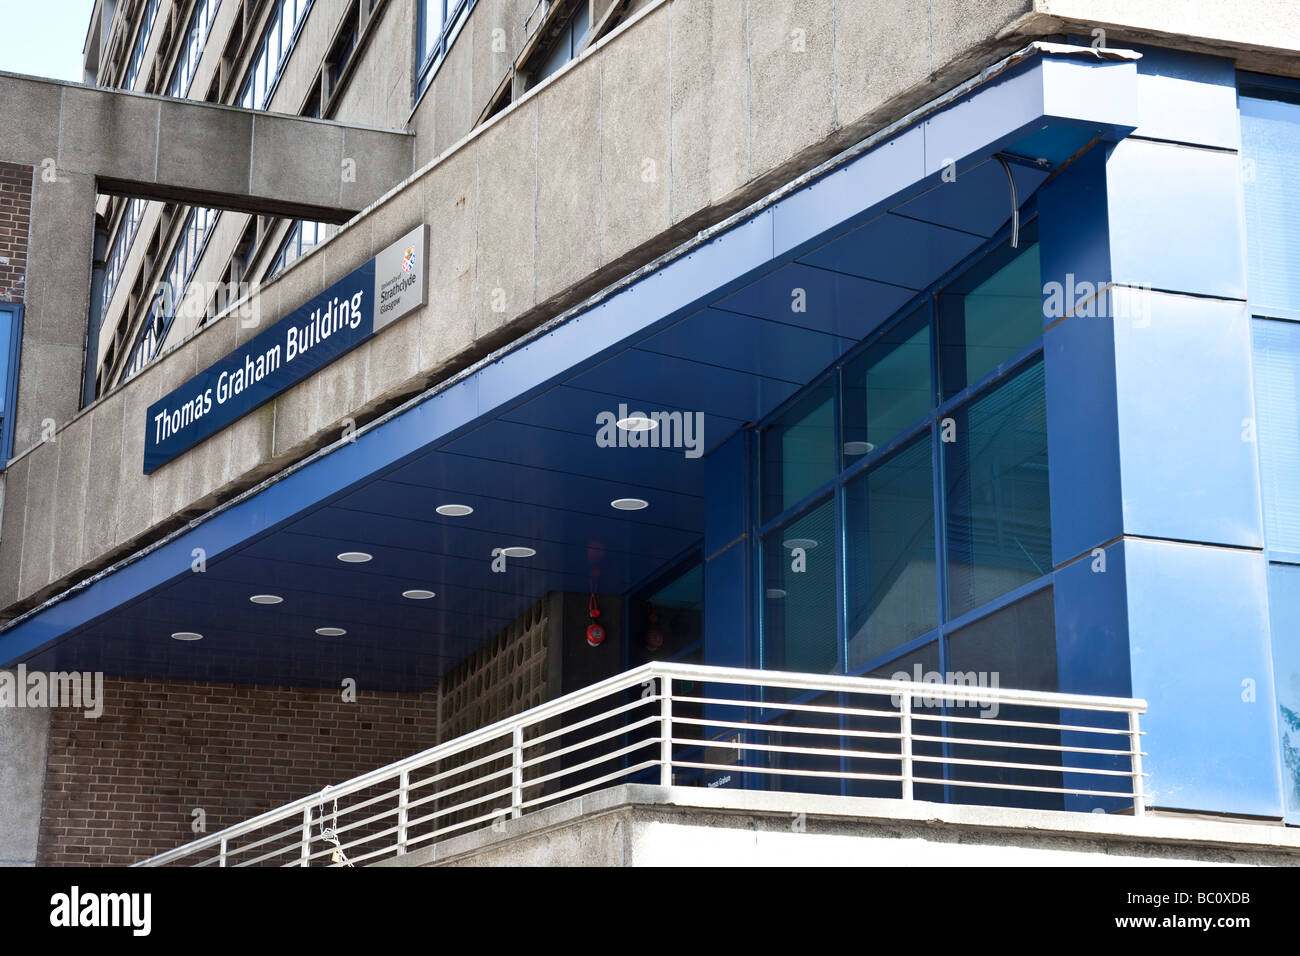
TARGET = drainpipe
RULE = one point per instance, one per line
(96, 313)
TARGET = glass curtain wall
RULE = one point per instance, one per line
(904, 522)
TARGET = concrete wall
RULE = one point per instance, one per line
(636, 825)
(24, 737)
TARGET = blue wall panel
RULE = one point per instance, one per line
(1092, 657)
(1187, 98)
(1073, 226)
(1190, 467)
(1082, 436)
(1199, 644)
(1176, 218)
(726, 475)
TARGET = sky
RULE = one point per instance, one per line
(44, 37)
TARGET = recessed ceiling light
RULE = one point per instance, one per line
(454, 511)
(417, 594)
(330, 631)
(266, 599)
(518, 552)
(804, 543)
(355, 557)
(858, 448)
(775, 593)
(187, 636)
(629, 504)
(636, 423)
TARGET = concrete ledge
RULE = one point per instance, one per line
(1260, 35)
(635, 824)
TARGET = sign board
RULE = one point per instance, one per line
(334, 322)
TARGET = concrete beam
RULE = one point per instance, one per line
(1260, 35)
(201, 153)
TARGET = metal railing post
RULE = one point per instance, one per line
(222, 862)
(403, 798)
(666, 731)
(1135, 746)
(306, 837)
(905, 742)
(517, 773)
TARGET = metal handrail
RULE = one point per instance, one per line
(511, 770)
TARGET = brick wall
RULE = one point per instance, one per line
(123, 787)
(15, 219)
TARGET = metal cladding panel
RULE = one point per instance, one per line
(1188, 98)
(819, 299)
(1199, 647)
(1082, 436)
(1074, 226)
(1176, 218)
(1188, 453)
(774, 349)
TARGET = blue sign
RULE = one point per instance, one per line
(304, 341)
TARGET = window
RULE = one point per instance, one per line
(891, 509)
(195, 38)
(989, 315)
(272, 51)
(998, 521)
(126, 230)
(438, 24)
(11, 326)
(887, 388)
(136, 62)
(799, 450)
(566, 45)
(890, 575)
(303, 236)
(666, 620)
(799, 575)
(167, 298)
(1270, 146)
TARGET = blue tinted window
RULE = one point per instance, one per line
(998, 531)
(887, 388)
(6, 339)
(9, 335)
(890, 583)
(1270, 145)
(799, 450)
(989, 315)
(799, 571)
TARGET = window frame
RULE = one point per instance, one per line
(11, 360)
(187, 250)
(455, 14)
(941, 408)
(259, 68)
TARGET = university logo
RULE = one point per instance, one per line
(408, 259)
